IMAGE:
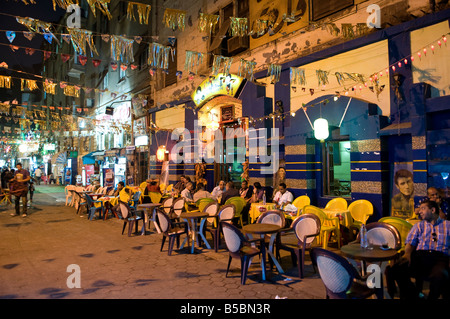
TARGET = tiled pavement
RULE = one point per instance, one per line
(35, 253)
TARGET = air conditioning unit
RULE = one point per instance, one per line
(237, 44)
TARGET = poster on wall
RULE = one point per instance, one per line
(109, 177)
(89, 169)
(402, 202)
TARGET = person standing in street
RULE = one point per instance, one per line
(19, 188)
(38, 175)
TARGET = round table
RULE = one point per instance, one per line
(264, 229)
(343, 215)
(150, 207)
(191, 219)
(373, 254)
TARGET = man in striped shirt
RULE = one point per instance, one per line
(426, 255)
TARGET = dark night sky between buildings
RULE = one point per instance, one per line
(9, 9)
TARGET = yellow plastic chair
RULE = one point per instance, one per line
(169, 188)
(360, 210)
(403, 226)
(301, 202)
(337, 203)
(328, 225)
(155, 197)
(239, 203)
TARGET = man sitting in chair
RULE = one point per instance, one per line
(201, 192)
(283, 197)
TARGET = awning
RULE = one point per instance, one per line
(90, 158)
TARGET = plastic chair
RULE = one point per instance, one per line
(128, 218)
(337, 203)
(68, 190)
(225, 214)
(301, 202)
(155, 197)
(341, 279)
(203, 202)
(171, 230)
(383, 233)
(239, 247)
(134, 201)
(239, 203)
(306, 228)
(169, 188)
(400, 224)
(91, 208)
(167, 205)
(360, 210)
(177, 208)
(327, 225)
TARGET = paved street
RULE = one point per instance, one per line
(35, 253)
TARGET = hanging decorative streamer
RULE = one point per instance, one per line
(49, 87)
(143, 11)
(28, 84)
(158, 55)
(28, 35)
(207, 22)
(193, 59)
(122, 49)
(218, 59)
(71, 90)
(356, 77)
(79, 38)
(246, 69)
(174, 18)
(322, 77)
(347, 30)
(340, 77)
(63, 3)
(35, 25)
(274, 71)
(297, 76)
(102, 5)
(5, 82)
(11, 35)
(259, 27)
(239, 26)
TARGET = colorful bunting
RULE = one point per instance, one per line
(143, 11)
(239, 26)
(207, 22)
(174, 18)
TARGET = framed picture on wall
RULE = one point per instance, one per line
(227, 113)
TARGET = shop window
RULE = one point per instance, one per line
(336, 168)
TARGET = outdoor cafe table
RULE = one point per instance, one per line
(192, 219)
(255, 210)
(372, 254)
(150, 207)
(262, 229)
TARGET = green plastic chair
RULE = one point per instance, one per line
(202, 202)
(400, 224)
(239, 203)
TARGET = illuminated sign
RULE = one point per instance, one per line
(49, 147)
(220, 84)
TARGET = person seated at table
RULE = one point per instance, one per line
(258, 193)
(443, 203)
(187, 193)
(245, 192)
(283, 197)
(154, 187)
(120, 186)
(181, 185)
(230, 191)
(426, 257)
(200, 192)
(218, 190)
